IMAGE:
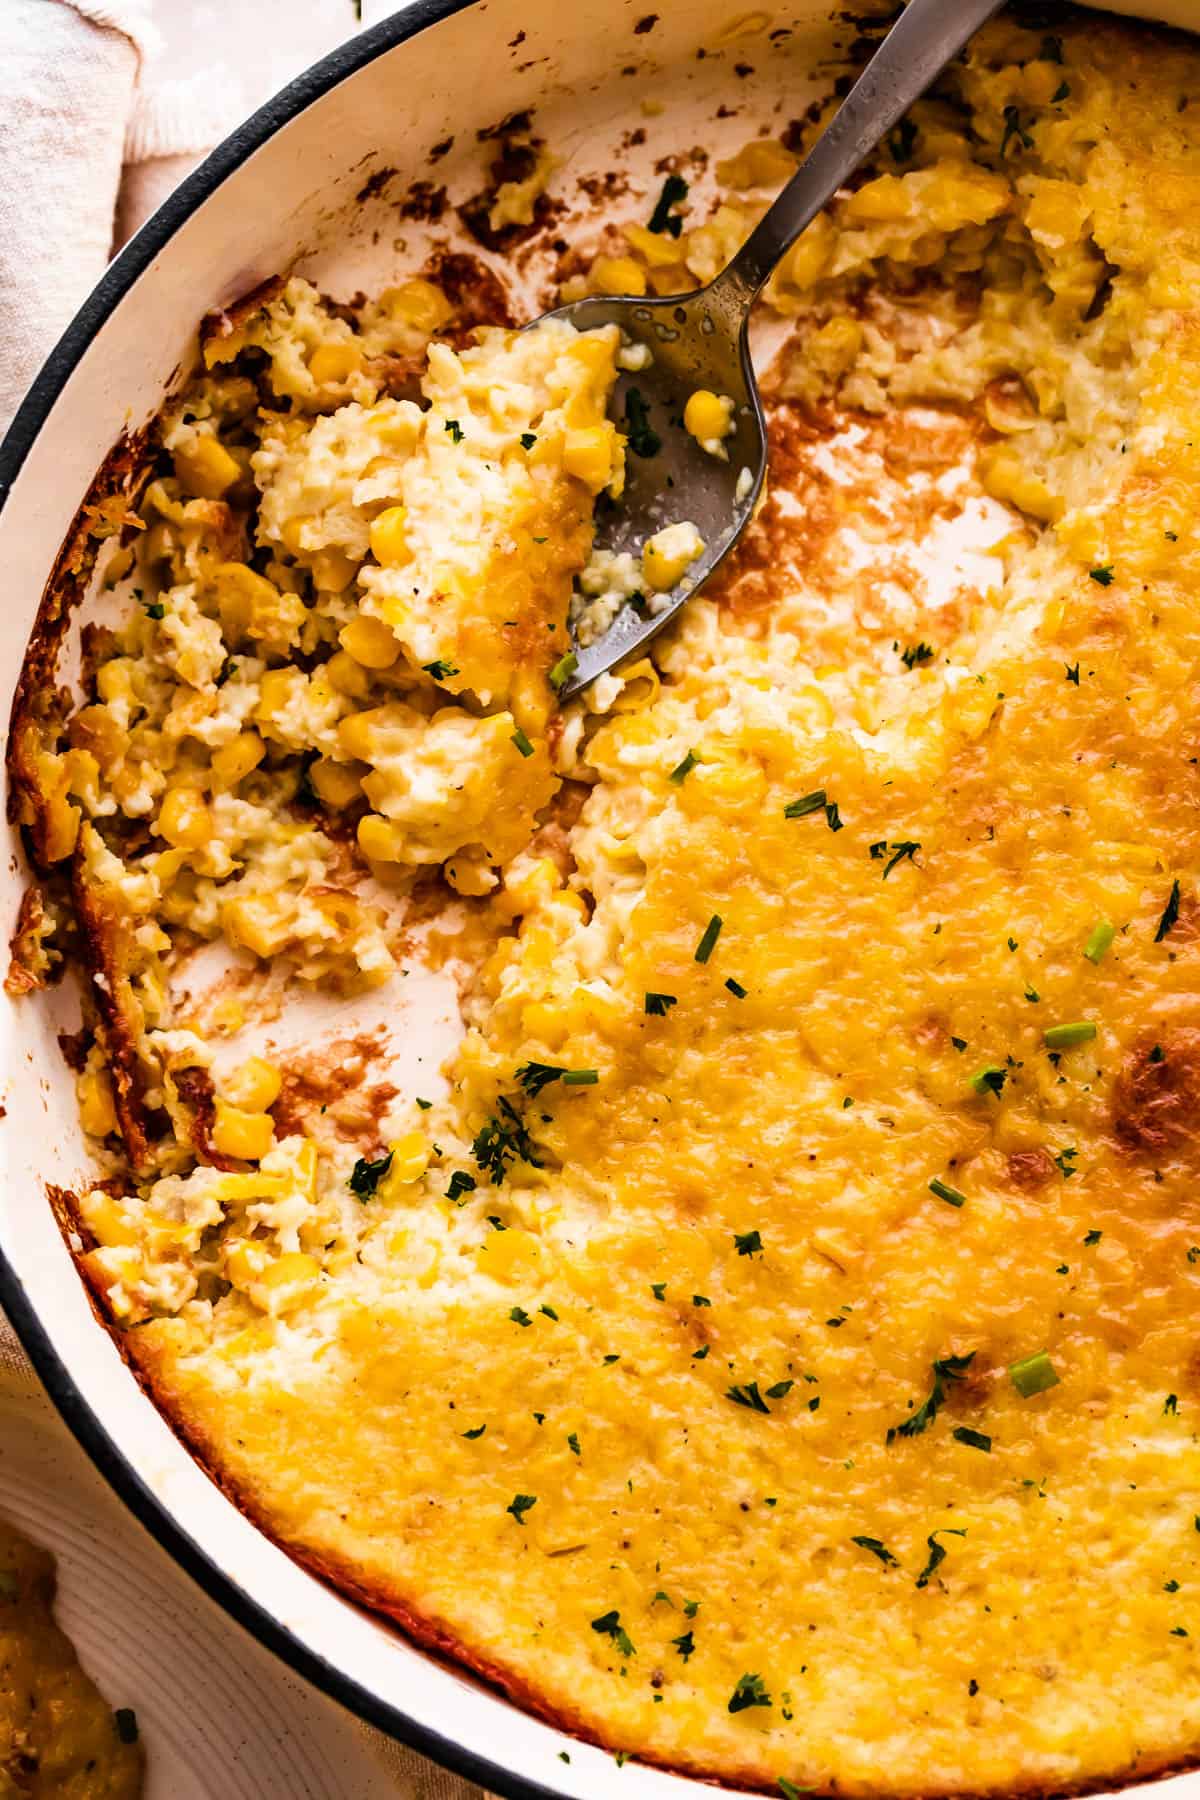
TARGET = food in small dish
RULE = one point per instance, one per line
(59, 1740)
(768, 1350)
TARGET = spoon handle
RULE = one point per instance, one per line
(926, 36)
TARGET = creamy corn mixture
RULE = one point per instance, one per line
(774, 1355)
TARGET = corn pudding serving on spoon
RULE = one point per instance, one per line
(688, 396)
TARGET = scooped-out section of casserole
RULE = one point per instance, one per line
(766, 1346)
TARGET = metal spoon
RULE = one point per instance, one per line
(700, 340)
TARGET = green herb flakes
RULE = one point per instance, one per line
(609, 1625)
(1032, 1375)
(366, 1176)
(708, 941)
(749, 1692)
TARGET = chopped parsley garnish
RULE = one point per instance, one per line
(460, 1183)
(701, 1300)
(455, 430)
(1065, 1037)
(424, 1104)
(1065, 1160)
(1013, 128)
(663, 218)
(643, 441)
(1072, 672)
(519, 1316)
(748, 1692)
(789, 1790)
(440, 670)
(519, 1505)
(681, 771)
(1171, 1406)
(692, 1607)
(1032, 1375)
(685, 1643)
(125, 1720)
(945, 1192)
(736, 988)
(366, 1176)
(534, 1076)
(522, 742)
(573, 1443)
(708, 941)
(990, 1079)
(609, 1625)
(699, 1355)
(749, 1396)
(563, 670)
(780, 1389)
(1092, 1237)
(528, 440)
(659, 1005)
(877, 1549)
(937, 1552)
(154, 609)
(946, 1369)
(1157, 1055)
(1100, 941)
(1103, 576)
(833, 817)
(975, 1440)
(1170, 913)
(808, 803)
(658, 1289)
(747, 1243)
(504, 1140)
(905, 849)
(916, 654)
(476, 1432)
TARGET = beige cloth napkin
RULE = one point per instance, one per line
(106, 105)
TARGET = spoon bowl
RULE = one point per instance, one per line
(691, 343)
(700, 341)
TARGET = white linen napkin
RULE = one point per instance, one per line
(106, 105)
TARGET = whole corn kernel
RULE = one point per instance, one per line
(97, 1110)
(388, 539)
(333, 570)
(233, 761)
(184, 819)
(347, 676)
(587, 454)
(331, 363)
(245, 1135)
(105, 1218)
(708, 417)
(379, 840)
(337, 784)
(205, 468)
(616, 275)
(254, 1085)
(291, 532)
(370, 642)
(669, 553)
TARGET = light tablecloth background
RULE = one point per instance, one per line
(106, 106)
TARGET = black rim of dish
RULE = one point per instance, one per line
(85, 1426)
